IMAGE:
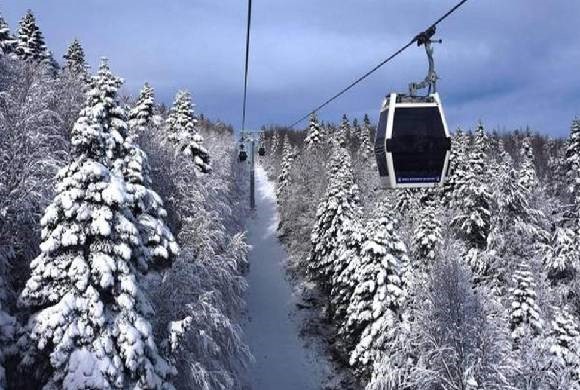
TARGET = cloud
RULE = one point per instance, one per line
(511, 63)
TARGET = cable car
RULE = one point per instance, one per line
(243, 154)
(412, 141)
(262, 150)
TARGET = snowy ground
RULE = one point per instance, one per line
(283, 362)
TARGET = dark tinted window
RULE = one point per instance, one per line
(418, 121)
(418, 145)
(380, 136)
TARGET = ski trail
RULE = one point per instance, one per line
(282, 360)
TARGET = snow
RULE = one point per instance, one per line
(85, 371)
(282, 362)
(266, 193)
(115, 192)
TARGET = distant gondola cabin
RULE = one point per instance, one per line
(243, 155)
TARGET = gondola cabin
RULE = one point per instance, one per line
(262, 150)
(412, 142)
(243, 154)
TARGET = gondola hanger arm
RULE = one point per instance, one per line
(430, 81)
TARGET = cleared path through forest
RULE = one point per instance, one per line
(282, 360)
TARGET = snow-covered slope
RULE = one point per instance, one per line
(282, 362)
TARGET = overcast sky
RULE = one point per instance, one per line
(509, 63)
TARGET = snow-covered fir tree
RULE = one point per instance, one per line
(457, 167)
(313, 137)
(572, 161)
(7, 41)
(561, 258)
(159, 245)
(366, 150)
(275, 144)
(478, 153)
(345, 271)
(427, 237)
(496, 156)
(141, 115)
(474, 200)
(342, 134)
(74, 57)
(337, 209)
(355, 133)
(528, 178)
(405, 201)
(90, 322)
(30, 45)
(326, 132)
(181, 129)
(512, 199)
(555, 178)
(565, 337)
(525, 317)
(288, 156)
(373, 308)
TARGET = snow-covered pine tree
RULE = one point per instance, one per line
(346, 268)
(342, 134)
(565, 337)
(524, 311)
(372, 312)
(406, 202)
(572, 161)
(326, 132)
(75, 62)
(457, 167)
(337, 209)
(498, 160)
(394, 365)
(355, 133)
(7, 41)
(528, 178)
(561, 258)
(147, 207)
(555, 176)
(90, 317)
(275, 143)
(30, 45)
(181, 129)
(364, 166)
(473, 219)
(288, 156)
(366, 149)
(313, 138)
(142, 113)
(512, 200)
(427, 237)
(478, 154)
